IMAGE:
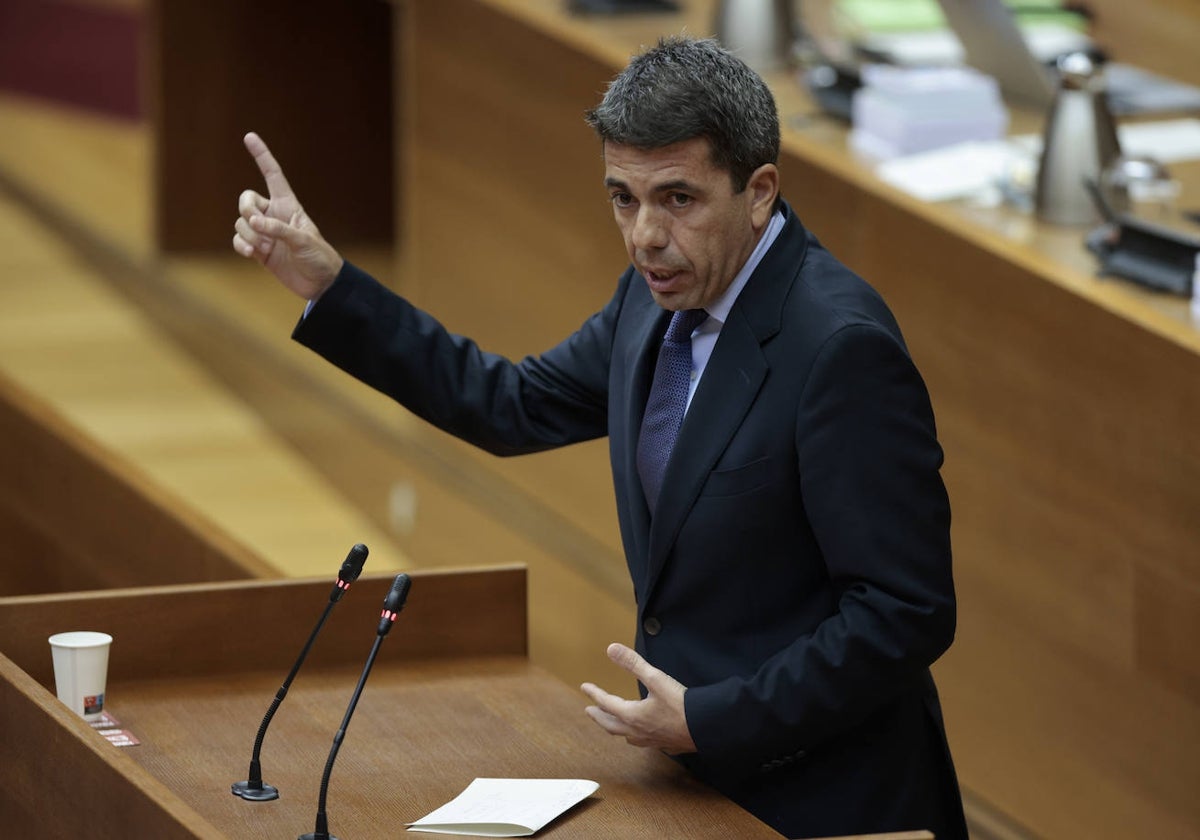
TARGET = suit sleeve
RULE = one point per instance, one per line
(868, 462)
(504, 407)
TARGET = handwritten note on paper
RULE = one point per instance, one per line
(505, 807)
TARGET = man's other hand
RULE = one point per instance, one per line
(657, 721)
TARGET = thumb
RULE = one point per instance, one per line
(631, 661)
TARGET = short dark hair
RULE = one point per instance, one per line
(684, 88)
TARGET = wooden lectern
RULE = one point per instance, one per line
(194, 667)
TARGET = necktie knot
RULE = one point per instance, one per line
(683, 324)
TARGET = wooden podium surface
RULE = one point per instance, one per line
(193, 669)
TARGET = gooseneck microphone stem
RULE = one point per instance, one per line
(321, 831)
(255, 782)
(392, 604)
(253, 789)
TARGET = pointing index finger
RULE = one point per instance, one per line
(277, 185)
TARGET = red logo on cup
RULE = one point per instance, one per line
(92, 705)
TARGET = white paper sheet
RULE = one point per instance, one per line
(967, 169)
(1165, 140)
(949, 172)
(505, 807)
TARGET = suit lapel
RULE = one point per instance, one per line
(649, 324)
(732, 379)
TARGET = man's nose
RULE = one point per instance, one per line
(650, 230)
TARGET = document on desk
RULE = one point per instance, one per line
(950, 172)
(1167, 141)
(505, 807)
(967, 170)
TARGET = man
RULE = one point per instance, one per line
(775, 462)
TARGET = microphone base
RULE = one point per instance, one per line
(262, 793)
(315, 836)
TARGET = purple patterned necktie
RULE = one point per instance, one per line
(667, 402)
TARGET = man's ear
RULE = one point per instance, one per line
(763, 188)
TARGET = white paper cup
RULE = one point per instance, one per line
(81, 670)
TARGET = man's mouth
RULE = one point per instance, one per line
(662, 277)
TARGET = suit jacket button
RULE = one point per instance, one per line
(652, 626)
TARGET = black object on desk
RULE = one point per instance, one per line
(1155, 256)
(617, 7)
(832, 87)
(1149, 254)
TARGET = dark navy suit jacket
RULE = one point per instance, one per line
(796, 575)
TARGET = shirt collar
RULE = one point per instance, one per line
(720, 309)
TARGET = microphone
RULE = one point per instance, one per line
(393, 603)
(253, 789)
(351, 568)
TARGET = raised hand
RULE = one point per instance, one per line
(657, 721)
(277, 232)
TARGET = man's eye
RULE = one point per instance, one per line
(621, 199)
(679, 199)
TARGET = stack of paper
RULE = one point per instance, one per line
(901, 111)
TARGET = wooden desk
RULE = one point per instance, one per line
(193, 668)
(1067, 405)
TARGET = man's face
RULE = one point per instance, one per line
(685, 229)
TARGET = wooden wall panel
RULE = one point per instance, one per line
(456, 613)
(313, 79)
(1166, 629)
(516, 246)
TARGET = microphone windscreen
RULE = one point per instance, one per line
(353, 565)
(394, 602)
